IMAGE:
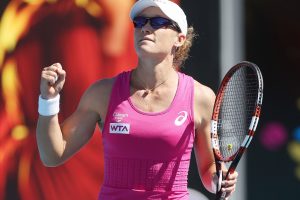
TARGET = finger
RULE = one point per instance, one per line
(58, 65)
(49, 73)
(54, 67)
(50, 68)
(49, 76)
(233, 175)
(228, 194)
(230, 176)
(61, 74)
(50, 79)
(228, 190)
(228, 183)
(55, 78)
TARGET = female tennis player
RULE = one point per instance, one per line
(151, 117)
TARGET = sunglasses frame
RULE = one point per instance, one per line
(168, 23)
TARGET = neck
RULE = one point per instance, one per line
(151, 75)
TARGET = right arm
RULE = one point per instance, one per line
(204, 102)
(58, 142)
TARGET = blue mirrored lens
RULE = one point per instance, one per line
(155, 22)
(158, 22)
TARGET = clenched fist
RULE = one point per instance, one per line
(52, 81)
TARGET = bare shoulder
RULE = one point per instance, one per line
(204, 98)
(96, 97)
(203, 94)
(101, 87)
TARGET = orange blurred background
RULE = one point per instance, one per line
(84, 36)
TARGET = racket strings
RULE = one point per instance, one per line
(236, 110)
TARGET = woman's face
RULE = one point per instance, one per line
(156, 43)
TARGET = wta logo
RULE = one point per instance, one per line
(181, 118)
(119, 128)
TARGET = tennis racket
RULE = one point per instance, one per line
(235, 116)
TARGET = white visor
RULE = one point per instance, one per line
(169, 8)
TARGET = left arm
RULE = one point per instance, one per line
(203, 106)
(204, 99)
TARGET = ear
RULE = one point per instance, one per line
(180, 40)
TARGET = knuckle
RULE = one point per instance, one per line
(59, 65)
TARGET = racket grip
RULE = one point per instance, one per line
(220, 195)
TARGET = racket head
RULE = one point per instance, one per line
(236, 111)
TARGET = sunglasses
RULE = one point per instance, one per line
(155, 22)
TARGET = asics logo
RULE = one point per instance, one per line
(181, 118)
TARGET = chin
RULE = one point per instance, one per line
(145, 51)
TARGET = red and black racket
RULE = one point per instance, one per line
(235, 116)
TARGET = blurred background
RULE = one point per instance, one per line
(93, 40)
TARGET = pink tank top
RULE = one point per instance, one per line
(147, 155)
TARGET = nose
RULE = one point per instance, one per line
(147, 27)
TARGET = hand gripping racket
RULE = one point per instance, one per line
(235, 116)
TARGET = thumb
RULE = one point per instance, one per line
(61, 74)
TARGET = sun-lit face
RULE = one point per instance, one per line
(156, 43)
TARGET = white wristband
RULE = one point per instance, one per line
(48, 107)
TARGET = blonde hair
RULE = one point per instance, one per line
(182, 53)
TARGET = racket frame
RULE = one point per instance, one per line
(235, 158)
